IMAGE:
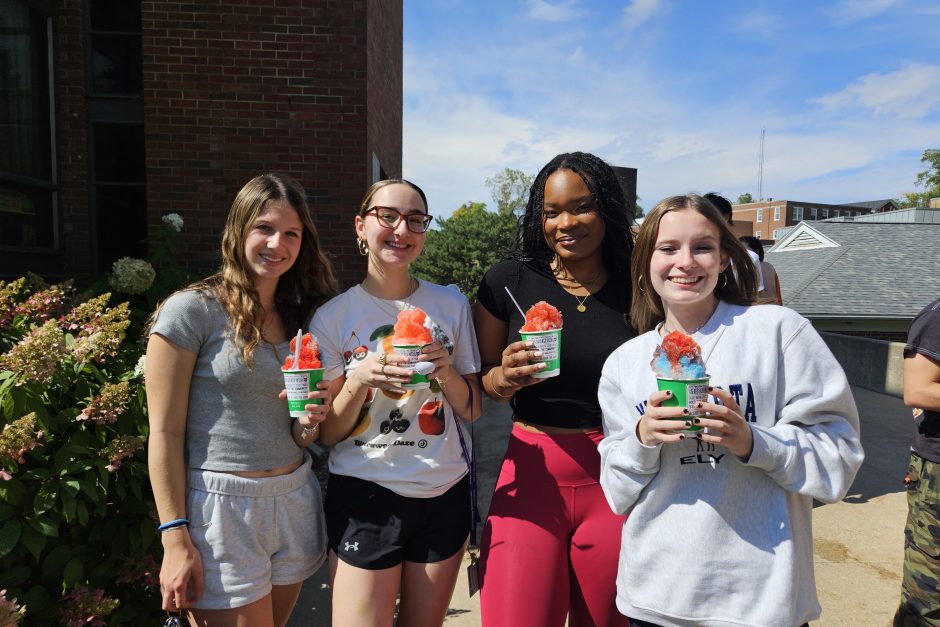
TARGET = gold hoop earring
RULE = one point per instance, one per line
(639, 284)
(363, 247)
(721, 285)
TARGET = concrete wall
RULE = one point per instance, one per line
(872, 364)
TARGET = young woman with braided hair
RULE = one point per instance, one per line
(550, 542)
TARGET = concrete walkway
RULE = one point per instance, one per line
(858, 542)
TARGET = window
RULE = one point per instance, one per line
(776, 214)
(117, 170)
(797, 214)
(825, 213)
(835, 213)
(757, 234)
(812, 213)
(27, 172)
(760, 214)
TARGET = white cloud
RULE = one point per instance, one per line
(850, 11)
(910, 92)
(757, 24)
(554, 12)
(638, 12)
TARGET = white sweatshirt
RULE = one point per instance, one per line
(712, 540)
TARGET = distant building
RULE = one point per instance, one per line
(115, 113)
(770, 218)
(859, 278)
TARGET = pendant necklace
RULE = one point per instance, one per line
(586, 285)
(400, 304)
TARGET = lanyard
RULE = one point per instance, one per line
(470, 456)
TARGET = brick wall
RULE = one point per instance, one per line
(71, 135)
(232, 90)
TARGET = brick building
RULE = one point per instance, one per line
(114, 113)
(769, 217)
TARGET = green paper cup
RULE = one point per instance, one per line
(411, 351)
(549, 342)
(685, 393)
(298, 383)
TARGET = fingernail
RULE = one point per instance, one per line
(537, 354)
(688, 423)
(698, 436)
(685, 411)
(696, 421)
(542, 365)
(698, 406)
(681, 436)
(530, 344)
(668, 393)
(710, 388)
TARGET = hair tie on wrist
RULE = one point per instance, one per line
(173, 524)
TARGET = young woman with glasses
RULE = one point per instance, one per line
(398, 503)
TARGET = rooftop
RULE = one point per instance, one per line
(858, 269)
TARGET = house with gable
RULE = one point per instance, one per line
(859, 278)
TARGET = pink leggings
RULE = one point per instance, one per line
(551, 543)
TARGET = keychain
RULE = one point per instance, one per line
(173, 621)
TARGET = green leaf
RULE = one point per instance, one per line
(33, 541)
(45, 498)
(44, 526)
(73, 573)
(12, 491)
(72, 486)
(68, 505)
(9, 535)
(382, 331)
(54, 563)
(81, 510)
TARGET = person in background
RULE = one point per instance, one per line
(239, 505)
(720, 525)
(398, 499)
(768, 283)
(920, 585)
(549, 544)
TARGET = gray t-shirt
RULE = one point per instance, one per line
(235, 419)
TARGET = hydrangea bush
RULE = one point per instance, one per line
(78, 543)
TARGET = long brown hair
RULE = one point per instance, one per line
(300, 290)
(737, 284)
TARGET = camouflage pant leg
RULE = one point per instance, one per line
(920, 587)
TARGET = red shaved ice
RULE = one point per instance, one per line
(410, 329)
(541, 317)
(309, 353)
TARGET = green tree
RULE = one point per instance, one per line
(745, 198)
(639, 212)
(465, 245)
(929, 179)
(510, 190)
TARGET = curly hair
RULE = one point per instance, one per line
(740, 277)
(602, 182)
(306, 285)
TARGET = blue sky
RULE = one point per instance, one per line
(848, 92)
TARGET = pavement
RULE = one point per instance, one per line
(858, 541)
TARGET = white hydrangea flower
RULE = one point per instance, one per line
(132, 276)
(175, 220)
(141, 364)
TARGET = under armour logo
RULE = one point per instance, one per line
(351, 546)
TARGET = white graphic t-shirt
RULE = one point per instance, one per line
(406, 443)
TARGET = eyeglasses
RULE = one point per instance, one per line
(391, 217)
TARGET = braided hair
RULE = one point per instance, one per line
(602, 182)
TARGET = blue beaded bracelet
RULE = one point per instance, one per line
(173, 524)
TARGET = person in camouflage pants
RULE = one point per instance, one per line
(920, 587)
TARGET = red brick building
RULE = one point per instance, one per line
(116, 112)
(768, 217)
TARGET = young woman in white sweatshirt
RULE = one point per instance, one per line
(720, 525)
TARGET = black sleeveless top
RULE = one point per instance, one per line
(570, 399)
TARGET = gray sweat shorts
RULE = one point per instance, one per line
(254, 533)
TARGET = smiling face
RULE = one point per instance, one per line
(686, 262)
(272, 243)
(392, 246)
(571, 220)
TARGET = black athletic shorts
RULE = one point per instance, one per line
(373, 528)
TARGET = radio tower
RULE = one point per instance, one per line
(760, 168)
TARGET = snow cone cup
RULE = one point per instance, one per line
(298, 383)
(549, 342)
(411, 351)
(685, 393)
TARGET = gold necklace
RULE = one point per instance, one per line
(570, 279)
(400, 304)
